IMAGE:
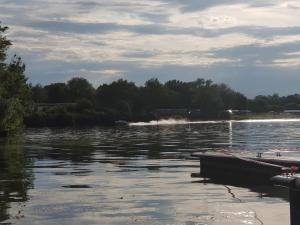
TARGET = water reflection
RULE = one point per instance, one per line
(15, 178)
(138, 175)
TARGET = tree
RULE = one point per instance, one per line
(120, 95)
(57, 93)
(39, 94)
(4, 45)
(156, 95)
(259, 104)
(15, 93)
(180, 93)
(80, 88)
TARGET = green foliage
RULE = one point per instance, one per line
(56, 93)
(124, 100)
(4, 44)
(155, 95)
(15, 93)
(80, 88)
(84, 105)
(10, 111)
(39, 94)
(120, 95)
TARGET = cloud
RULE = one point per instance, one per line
(188, 6)
(233, 41)
(200, 5)
(72, 27)
(287, 62)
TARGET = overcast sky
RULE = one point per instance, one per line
(253, 46)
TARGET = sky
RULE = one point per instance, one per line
(252, 46)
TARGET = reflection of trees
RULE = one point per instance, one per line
(75, 146)
(15, 177)
(69, 151)
(152, 142)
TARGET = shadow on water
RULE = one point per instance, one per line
(263, 190)
(15, 177)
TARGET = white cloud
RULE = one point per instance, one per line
(293, 53)
(151, 34)
(97, 77)
(226, 16)
(290, 62)
(279, 40)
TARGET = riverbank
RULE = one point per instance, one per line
(94, 118)
(65, 118)
(261, 116)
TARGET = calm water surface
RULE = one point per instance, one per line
(138, 175)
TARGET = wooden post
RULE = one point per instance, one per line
(293, 183)
(295, 202)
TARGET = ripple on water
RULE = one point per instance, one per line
(139, 175)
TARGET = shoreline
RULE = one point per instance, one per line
(179, 121)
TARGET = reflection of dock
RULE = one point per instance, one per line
(249, 171)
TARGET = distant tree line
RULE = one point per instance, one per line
(274, 103)
(123, 100)
(77, 102)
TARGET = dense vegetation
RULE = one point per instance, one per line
(15, 94)
(78, 103)
(124, 100)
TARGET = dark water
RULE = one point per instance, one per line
(138, 175)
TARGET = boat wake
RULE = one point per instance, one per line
(172, 122)
(185, 121)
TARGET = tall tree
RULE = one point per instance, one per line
(80, 88)
(120, 95)
(15, 93)
(4, 44)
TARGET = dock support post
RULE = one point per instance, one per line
(295, 203)
(293, 184)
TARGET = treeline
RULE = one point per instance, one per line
(123, 100)
(77, 102)
(274, 103)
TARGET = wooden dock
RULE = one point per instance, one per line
(253, 170)
(216, 165)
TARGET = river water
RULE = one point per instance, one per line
(139, 174)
